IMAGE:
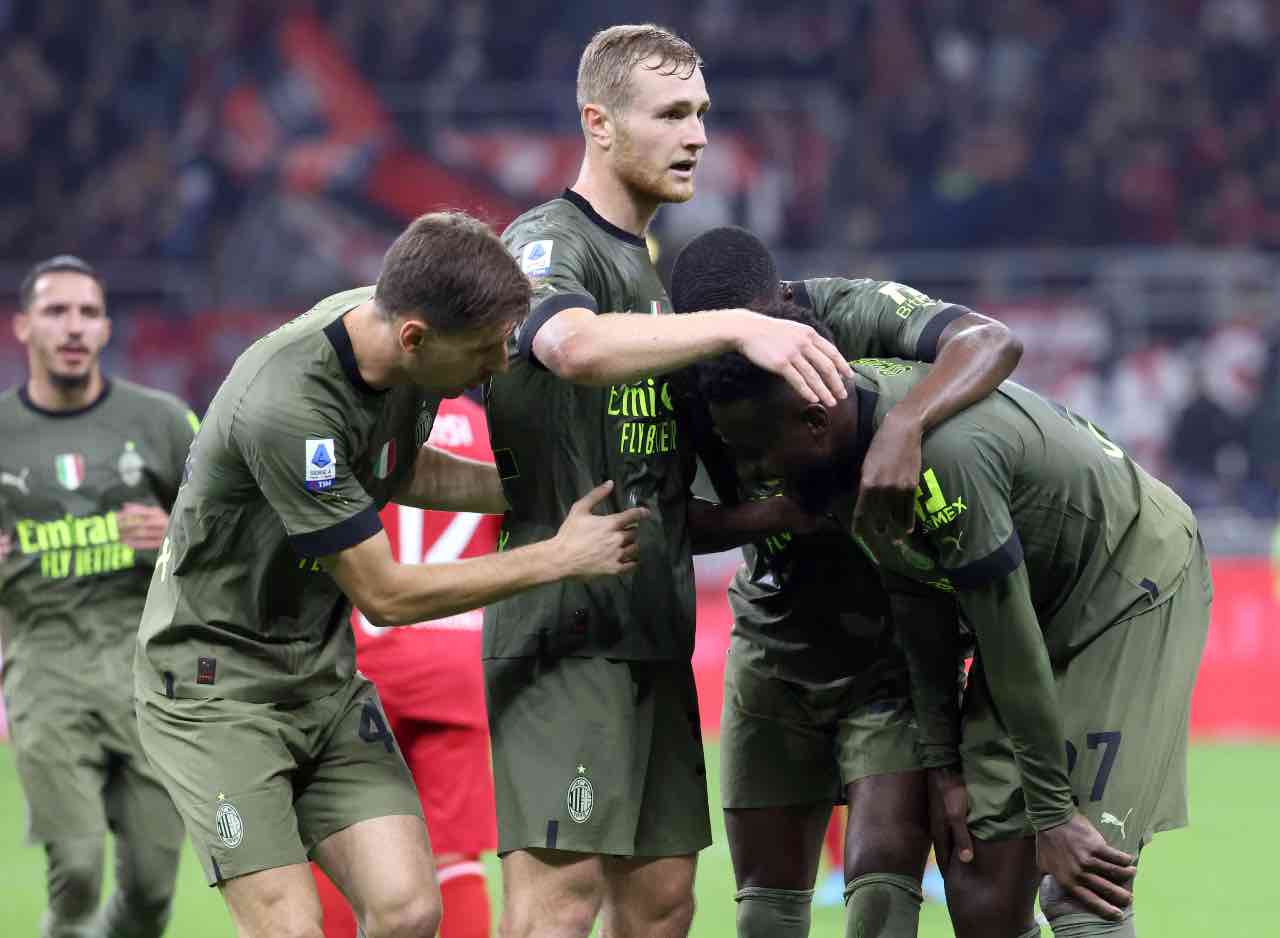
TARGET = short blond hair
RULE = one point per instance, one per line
(604, 73)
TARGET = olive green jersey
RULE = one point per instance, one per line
(785, 596)
(69, 586)
(1016, 478)
(553, 441)
(292, 463)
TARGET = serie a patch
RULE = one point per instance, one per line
(322, 465)
(535, 258)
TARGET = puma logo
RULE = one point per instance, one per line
(1109, 818)
(953, 539)
(18, 481)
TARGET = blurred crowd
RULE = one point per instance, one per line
(206, 132)
(953, 123)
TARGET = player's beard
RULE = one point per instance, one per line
(68, 381)
(644, 179)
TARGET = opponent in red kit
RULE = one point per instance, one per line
(431, 684)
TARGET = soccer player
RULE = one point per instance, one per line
(272, 745)
(88, 471)
(432, 688)
(598, 770)
(1086, 585)
(817, 707)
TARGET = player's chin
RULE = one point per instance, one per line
(678, 191)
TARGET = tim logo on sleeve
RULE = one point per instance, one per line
(322, 465)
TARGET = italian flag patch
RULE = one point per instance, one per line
(386, 460)
(70, 469)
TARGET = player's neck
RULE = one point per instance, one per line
(613, 200)
(374, 353)
(48, 394)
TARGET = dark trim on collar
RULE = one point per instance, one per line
(867, 400)
(600, 221)
(33, 406)
(338, 336)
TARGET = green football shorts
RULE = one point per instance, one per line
(1126, 700)
(594, 755)
(784, 742)
(259, 785)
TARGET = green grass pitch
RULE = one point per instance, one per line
(1216, 878)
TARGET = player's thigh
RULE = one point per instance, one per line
(776, 748)
(644, 894)
(1127, 702)
(776, 848)
(674, 819)
(148, 829)
(228, 767)
(383, 866)
(280, 902)
(452, 771)
(61, 766)
(888, 827)
(570, 754)
(356, 771)
(543, 890)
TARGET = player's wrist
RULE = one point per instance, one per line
(1047, 819)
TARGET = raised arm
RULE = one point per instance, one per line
(582, 346)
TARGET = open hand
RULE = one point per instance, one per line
(794, 351)
(949, 816)
(598, 545)
(1091, 871)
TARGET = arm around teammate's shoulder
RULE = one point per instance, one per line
(585, 348)
(391, 593)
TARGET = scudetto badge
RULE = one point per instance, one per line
(230, 826)
(580, 798)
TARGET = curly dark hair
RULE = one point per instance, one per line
(723, 268)
(732, 377)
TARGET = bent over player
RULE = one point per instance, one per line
(814, 671)
(272, 745)
(88, 470)
(1086, 585)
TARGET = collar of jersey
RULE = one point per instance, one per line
(867, 400)
(600, 221)
(32, 405)
(338, 336)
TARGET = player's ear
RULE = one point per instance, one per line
(598, 124)
(413, 334)
(22, 326)
(817, 420)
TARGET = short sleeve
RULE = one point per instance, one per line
(181, 426)
(881, 318)
(301, 460)
(554, 261)
(962, 503)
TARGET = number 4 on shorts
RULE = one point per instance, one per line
(1110, 741)
(373, 728)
